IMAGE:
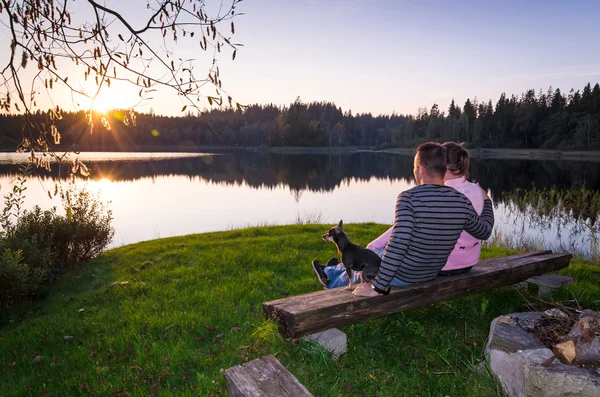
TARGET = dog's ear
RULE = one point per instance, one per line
(341, 224)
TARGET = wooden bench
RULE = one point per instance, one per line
(317, 311)
(263, 377)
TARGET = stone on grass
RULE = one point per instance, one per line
(333, 340)
(560, 380)
(515, 356)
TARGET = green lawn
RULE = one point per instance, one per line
(191, 306)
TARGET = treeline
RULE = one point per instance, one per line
(549, 120)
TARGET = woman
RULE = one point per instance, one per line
(467, 249)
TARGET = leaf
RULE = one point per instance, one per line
(233, 56)
(155, 388)
(69, 213)
(210, 100)
(140, 93)
(183, 108)
(121, 37)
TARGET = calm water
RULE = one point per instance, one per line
(168, 194)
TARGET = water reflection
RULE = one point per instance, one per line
(572, 215)
(323, 173)
(171, 194)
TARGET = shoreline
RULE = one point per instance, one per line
(523, 154)
(478, 153)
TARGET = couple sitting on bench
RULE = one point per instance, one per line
(437, 226)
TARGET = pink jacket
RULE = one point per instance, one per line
(467, 249)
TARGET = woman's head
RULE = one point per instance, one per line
(457, 160)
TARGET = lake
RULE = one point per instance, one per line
(154, 195)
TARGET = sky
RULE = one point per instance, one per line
(394, 56)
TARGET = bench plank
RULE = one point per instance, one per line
(263, 377)
(317, 311)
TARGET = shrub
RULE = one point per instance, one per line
(35, 243)
(86, 230)
(18, 281)
(80, 235)
(33, 235)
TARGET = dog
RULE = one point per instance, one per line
(354, 257)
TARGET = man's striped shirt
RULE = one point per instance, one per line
(427, 224)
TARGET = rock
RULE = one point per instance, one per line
(526, 320)
(556, 313)
(69, 337)
(592, 313)
(560, 380)
(509, 348)
(515, 356)
(333, 340)
(38, 359)
(512, 339)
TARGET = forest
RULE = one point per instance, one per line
(545, 120)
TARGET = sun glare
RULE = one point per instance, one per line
(104, 186)
(106, 100)
(101, 105)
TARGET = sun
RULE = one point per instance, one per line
(106, 100)
(101, 105)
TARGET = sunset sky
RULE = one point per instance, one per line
(393, 56)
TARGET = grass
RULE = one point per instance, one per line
(185, 308)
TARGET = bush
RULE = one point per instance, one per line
(35, 243)
(18, 281)
(33, 235)
(77, 237)
(89, 227)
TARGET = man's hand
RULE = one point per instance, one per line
(364, 289)
(485, 195)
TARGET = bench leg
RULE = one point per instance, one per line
(545, 292)
(522, 286)
(333, 340)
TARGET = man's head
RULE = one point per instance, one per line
(430, 163)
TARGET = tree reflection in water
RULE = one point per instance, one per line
(540, 197)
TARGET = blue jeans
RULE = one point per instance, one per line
(338, 278)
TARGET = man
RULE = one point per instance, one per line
(427, 223)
